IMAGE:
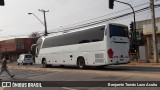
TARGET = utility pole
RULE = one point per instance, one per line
(155, 50)
(45, 23)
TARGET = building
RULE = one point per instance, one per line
(14, 47)
(145, 26)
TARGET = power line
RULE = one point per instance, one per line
(99, 21)
(111, 14)
(88, 24)
(108, 19)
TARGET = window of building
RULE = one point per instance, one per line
(20, 46)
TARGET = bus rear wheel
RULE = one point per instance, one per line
(81, 63)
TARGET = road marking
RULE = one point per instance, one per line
(35, 68)
(45, 74)
(1, 88)
(69, 88)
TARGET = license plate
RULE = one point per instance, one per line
(121, 59)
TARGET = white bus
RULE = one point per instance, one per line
(99, 45)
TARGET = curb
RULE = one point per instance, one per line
(143, 64)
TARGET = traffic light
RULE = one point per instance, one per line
(142, 34)
(111, 4)
(1, 2)
(133, 48)
(131, 27)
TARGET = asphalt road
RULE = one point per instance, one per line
(111, 73)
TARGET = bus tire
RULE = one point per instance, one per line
(23, 63)
(81, 63)
(44, 63)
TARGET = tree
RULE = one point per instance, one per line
(34, 35)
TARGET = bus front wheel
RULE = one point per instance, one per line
(81, 63)
(44, 63)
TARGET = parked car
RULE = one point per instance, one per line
(25, 59)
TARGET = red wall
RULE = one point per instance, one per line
(7, 46)
(10, 45)
(28, 43)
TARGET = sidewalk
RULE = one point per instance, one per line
(144, 64)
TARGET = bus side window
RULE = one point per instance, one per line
(84, 41)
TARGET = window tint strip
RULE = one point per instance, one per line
(86, 36)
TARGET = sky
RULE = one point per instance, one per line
(15, 21)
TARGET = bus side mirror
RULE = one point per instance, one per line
(106, 32)
(36, 55)
(33, 46)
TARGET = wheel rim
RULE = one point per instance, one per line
(81, 63)
(44, 63)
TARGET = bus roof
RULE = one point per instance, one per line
(81, 29)
(75, 30)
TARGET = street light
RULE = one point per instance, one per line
(36, 17)
(45, 25)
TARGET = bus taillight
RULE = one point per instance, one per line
(129, 53)
(110, 53)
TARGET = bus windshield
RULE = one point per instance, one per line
(120, 31)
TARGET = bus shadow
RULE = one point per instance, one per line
(114, 68)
